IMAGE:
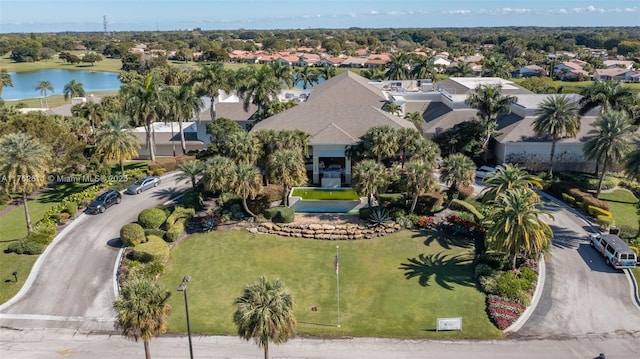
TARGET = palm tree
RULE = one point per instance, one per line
(462, 69)
(210, 80)
(369, 177)
(282, 73)
(257, 86)
(417, 120)
(246, 183)
(609, 141)
(490, 103)
(5, 80)
(381, 141)
(183, 104)
(116, 141)
(43, 87)
(419, 180)
(243, 147)
(496, 66)
(423, 69)
(425, 150)
(408, 139)
(557, 117)
(287, 167)
(145, 103)
(264, 312)
(93, 112)
(399, 68)
(456, 170)
(73, 89)
(306, 75)
(392, 107)
(218, 173)
(327, 72)
(632, 162)
(24, 163)
(516, 224)
(610, 95)
(142, 311)
(190, 171)
(374, 74)
(506, 177)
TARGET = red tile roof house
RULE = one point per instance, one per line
(569, 70)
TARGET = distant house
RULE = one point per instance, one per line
(331, 61)
(613, 64)
(440, 61)
(353, 62)
(570, 70)
(377, 61)
(528, 71)
(616, 74)
(308, 60)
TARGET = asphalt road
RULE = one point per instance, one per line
(581, 294)
(72, 284)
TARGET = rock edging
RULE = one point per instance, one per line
(326, 231)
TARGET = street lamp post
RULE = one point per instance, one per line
(183, 288)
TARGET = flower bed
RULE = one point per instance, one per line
(503, 312)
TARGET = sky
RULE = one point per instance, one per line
(150, 15)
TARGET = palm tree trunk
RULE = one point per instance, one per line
(212, 108)
(285, 199)
(512, 259)
(553, 153)
(604, 171)
(413, 205)
(173, 141)
(27, 216)
(183, 143)
(266, 350)
(122, 168)
(147, 350)
(246, 208)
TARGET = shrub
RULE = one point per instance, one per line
(132, 234)
(489, 283)
(154, 249)
(396, 200)
(460, 205)
(365, 212)
(429, 203)
(379, 216)
(596, 211)
(503, 312)
(513, 288)
(425, 222)
(568, 199)
(465, 192)
(228, 199)
(635, 250)
(174, 232)
(589, 200)
(279, 214)
(627, 232)
(496, 261)
(529, 277)
(149, 271)
(604, 221)
(192, 199)
(154, 232)
(25, 247)
(405, 222)
(71, 208)
(483, 270)
(180, 213)
(152, 218)
(40, 237)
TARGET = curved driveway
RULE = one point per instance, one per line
(581, 295)
(72, 284)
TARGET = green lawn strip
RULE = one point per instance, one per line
(107, 64)
(636, 274)
(623, 207)
(53, 100)
(376, 299)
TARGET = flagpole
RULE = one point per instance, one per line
(337, 264)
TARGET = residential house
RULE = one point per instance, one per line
(528, 71)
(616, 74)
(570, 70)
(613, 64)
(307, 59)
(331, 61)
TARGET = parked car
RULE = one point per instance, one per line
(333, 171)
(104, 201)
(143, 184)
(485, 172)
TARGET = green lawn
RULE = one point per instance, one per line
(107, 64)
(395, 286)
(623, 207)
(636, 274)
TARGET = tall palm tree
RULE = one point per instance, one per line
(557, 117)
(307, 75)
(506, 177)
(24, 164)
(632, 162)
(142, 311)
(456, 170)
(490, 103)
(243, 147)
(282, 73)
(116, 141)
(425, 150)
(516, 225)
(419, 180)
(73, 88)
(462, 69)
(218, 173)
(381, 141)
(210, 80)
(5, 80)
(287, 168)
(327, 72)
(92, 111)
(246, 183)
(369, 177)
(145, 102)
(257, 86)
(408, 139)
(264, 312)
(43, 87)
(417, 120)
(183, 104)
(392, 107)
(610, 95)
(399, 68)
(423, 69)
(610, 141)
(190, 171)
(496, 66)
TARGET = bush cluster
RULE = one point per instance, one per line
(152, 218)
(157, 168)
(25, 246)
(154, 249)
(193, 198)
(460, 205)
(132, 234)
(280, 214)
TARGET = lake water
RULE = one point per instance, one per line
(24, 83)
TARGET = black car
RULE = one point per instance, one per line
(104, 201)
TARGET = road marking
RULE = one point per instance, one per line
(55, 318)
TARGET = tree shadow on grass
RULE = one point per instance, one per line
(56, 193)
(446, 270)
(447, 240)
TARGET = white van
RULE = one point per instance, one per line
(615, 251)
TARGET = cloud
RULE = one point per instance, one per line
(508, 11)
(457, 12)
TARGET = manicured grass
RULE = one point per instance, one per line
(326, 193)
(53, 100)
(395, 286)
(107, 64)
(636, 274)
(623, 207)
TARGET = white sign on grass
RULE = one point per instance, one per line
(449, 324)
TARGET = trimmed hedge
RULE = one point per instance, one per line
(154, 232)
(465, 192)
(280, 214)
(596, 211)
(180, 213)
(569, 199)
(604, 221)
(152, 218)
(26, 247)
(174, 232)
(429, 203)
(154, 249)
(460, 205)
(193, 199)
(132, 234)
(589, 200)
(392, 199)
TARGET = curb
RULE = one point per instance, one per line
(542, 273)
(634, 288)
